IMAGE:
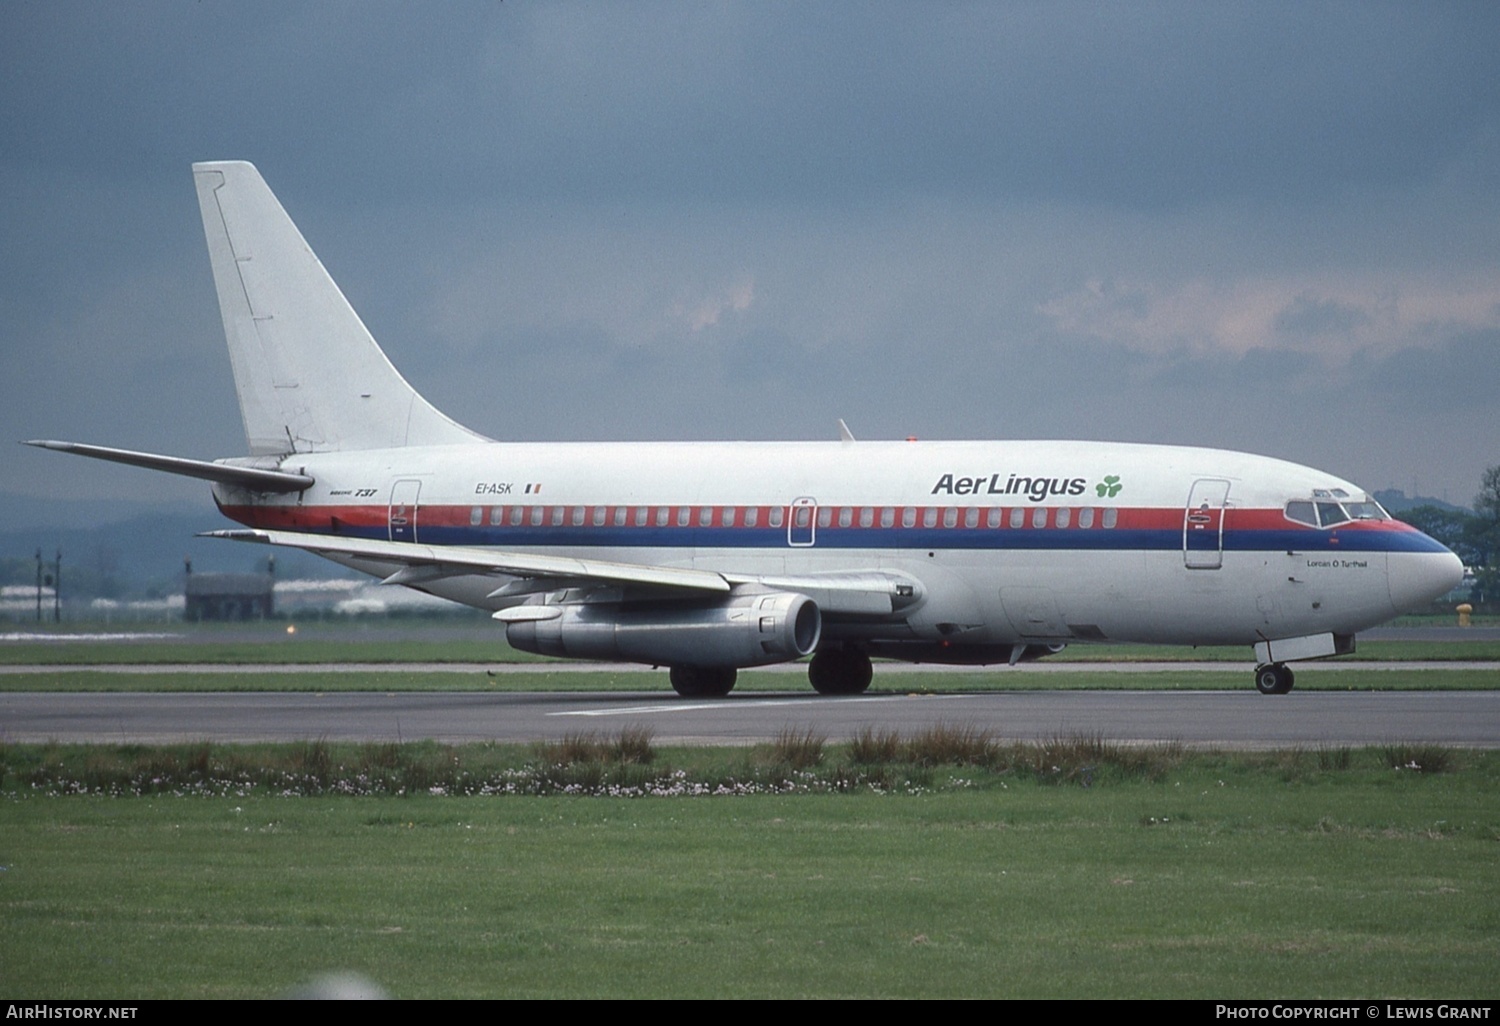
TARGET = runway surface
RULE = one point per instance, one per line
(1230, 719)
(799, 669)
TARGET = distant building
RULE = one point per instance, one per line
(229, 596)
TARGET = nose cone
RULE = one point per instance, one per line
(1420, 578)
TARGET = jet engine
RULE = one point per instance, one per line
(751, 627)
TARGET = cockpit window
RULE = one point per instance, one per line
(1328, 514)
(1302, 513)
(1331, 513)
(1364, 510)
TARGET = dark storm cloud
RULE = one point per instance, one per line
(1460, 376)
(1226, 224)
(1133, 104)
(1137, 104)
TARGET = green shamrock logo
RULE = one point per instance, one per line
(1110, 488)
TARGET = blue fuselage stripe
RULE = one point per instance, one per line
(984, 539)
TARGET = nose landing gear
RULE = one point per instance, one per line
(1273, 679)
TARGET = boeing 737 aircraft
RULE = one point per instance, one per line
(708, 557)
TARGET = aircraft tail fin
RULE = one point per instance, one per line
(310, 377)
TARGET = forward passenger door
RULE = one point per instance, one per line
(1203, 525)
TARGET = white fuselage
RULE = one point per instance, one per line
(1010, 541)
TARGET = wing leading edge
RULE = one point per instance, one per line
(870, 593)
(438, 561)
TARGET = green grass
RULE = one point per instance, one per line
(1286, 874)
(273, 648)
(905, 682)
(588, 763)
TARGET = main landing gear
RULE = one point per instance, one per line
(703, 681)
(834, 671)
(840, 671)
(1273, 679)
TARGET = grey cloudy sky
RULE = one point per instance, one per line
(1271, 227)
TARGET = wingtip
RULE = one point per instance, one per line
(236, 534)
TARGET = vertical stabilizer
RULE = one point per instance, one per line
(309, 375)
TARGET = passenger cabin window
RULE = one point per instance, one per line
(684, 516)
(1017, 517)
(641, 515)
(620, 514)
(476, 516)
(706, 516)
(752, 516)
(1086, 517)
(1064, 517)
(825, 516)
(971, 516)
(992, 519)
(1111, 516)
(517, 514)
(727, 520)
(888, 517)
(777, 516)
(929, 516)
(1039, 517)
(909, 517)
(866, 517)
(846, 516)
(950, 517)
(599, 514)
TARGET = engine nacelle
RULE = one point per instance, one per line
(751, 627)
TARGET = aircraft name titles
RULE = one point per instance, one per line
(1034, 488)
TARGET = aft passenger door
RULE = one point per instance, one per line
(1203, 525)
(802, 522)
(402, 516)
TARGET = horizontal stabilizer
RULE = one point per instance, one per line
(256, 479)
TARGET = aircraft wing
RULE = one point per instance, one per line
(871, 593)
(425, 562)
